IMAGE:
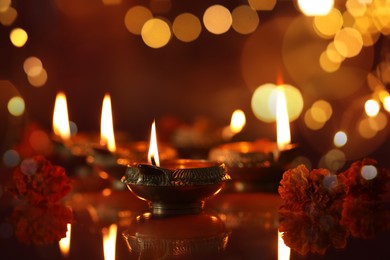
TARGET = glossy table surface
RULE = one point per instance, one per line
(233, 225)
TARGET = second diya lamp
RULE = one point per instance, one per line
(254, 166)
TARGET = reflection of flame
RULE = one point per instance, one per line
(107, 137)
(153, 149)
(282, 121)
(65, 242)
(109, 241)
(238, 121)
(283, 250)
(60, 117)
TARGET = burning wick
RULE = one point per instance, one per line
(153, 160)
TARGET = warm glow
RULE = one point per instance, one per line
(186, 27)
(312, 121)
(238, 121)
(153, 149)
(283, 250)
(60, 117)
(313, 8)
(340, 139)
(8, 16)
(369, 172)
(156, 33)
(107, 137)
(386, 103)
(136, 17)
(65, 242)
(18, 37)
(16, 106)
(348, 42)
(217, 19)
(282, 122)
(109, 241)
(32, 66)
(328, 25)
(38, 80)
(245, 19)
(372, 107)
(262, 5)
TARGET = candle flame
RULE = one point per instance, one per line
(65, 242)
(282, 121)
(61, 126)
(107, 137)
(109, 241)
(153, 149)
(238, 121)
(283, 250)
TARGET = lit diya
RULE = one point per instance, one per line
(178, 186)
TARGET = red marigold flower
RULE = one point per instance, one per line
(367, 180)
(41, 225)
(38, 181)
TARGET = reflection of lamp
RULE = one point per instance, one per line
(184, 236)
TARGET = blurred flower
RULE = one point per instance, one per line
(41, 225)
(37, 181)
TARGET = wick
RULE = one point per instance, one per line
(153, 160)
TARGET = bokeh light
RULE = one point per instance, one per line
(186, 27)
(355, 7)
(371, 107)
(315, 8)
(321, 110)
(11, 158)
(386, 103)
(32, 66)
(378, 122)
(217, 19)
(263, 102)
(312, 122)
(333, 54)
(245, 19)
(328, 25)
(369, 172)
(18, 37)
(8, 16)
(38, 80)
(16, 106)
(340, 139)
(365, 129)
(136, 17)
(156, 33)
(262, 5)
(348, 42)
(327, 64)
(4, 5)
(333, 160)
(40, 142)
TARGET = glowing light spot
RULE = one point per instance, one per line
(32, 66)
(321, 110)
(156, 33)
(378, 122)
(186, 27)
(40, 141)
(340, 139)
(372, 107)
(106, 192)
(327, 64)
(18, 37)
(16, 106)
(11, 158)
(369, 172)
(348, 42)
(262, 5)
(4, 5)
(217, 19)
(356, 8)
(328, 25)
(333, 160)
(111, 2)
(38, 80)
(365, 129)
(136, 17)
(386, 103)
(64, 243)
(245, 19)
(73, 128)
(8, 17)
(238, 121)
(311, 122)
(348, 20)
(333, 54)
(315, 8)
(264, 102)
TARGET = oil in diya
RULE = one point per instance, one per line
(173, 187)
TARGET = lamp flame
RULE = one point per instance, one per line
(283, 250)
(107, 137)
(61, 126)
(65, 242)
(109, 241)
(238, 121)
(153, 149)
(282, 121)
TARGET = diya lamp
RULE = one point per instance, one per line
(260, 163)
(178, 186)
(153, 237)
